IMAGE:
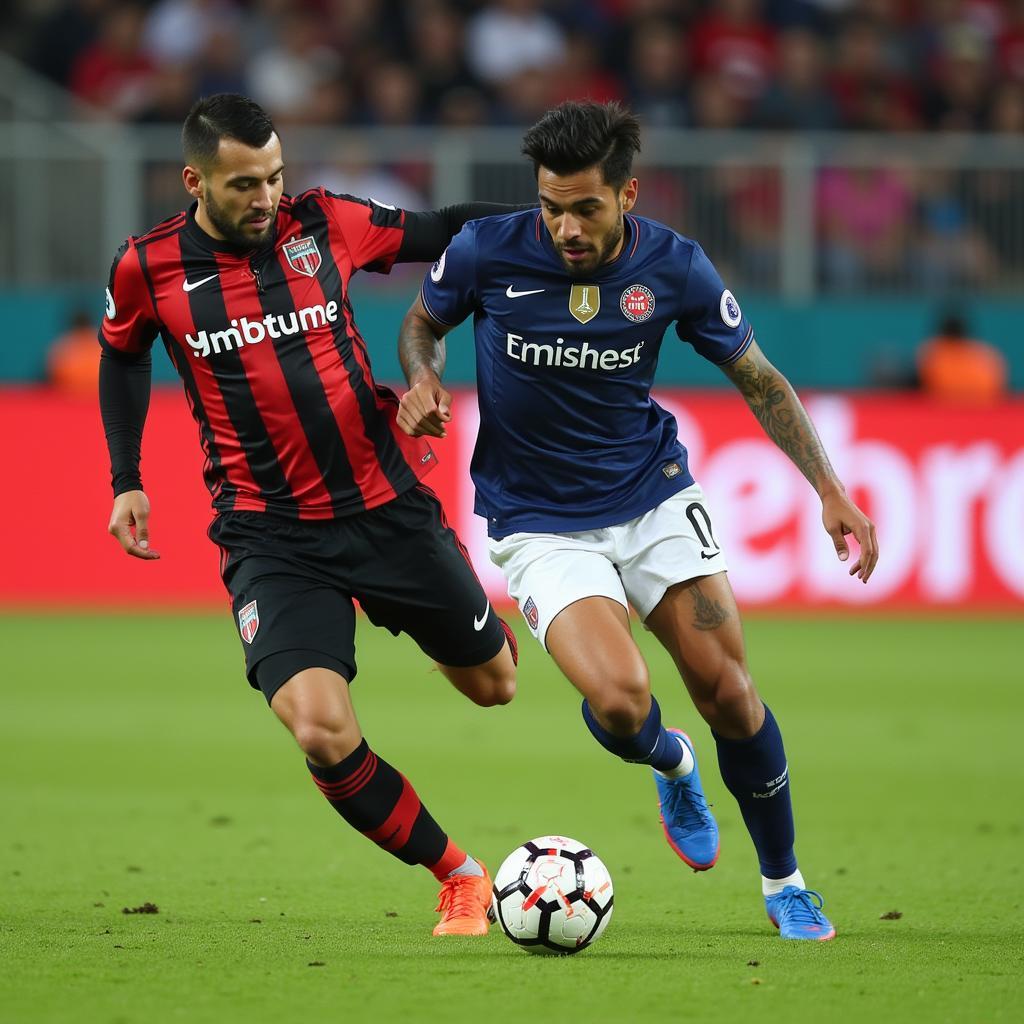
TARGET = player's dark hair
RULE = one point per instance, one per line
(225, 115)
(578, 134)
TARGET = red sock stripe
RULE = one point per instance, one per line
(395, 832)
(452, 858)
(350, 785)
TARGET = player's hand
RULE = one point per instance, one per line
(841, 517)
(129, 523)
(425, 409)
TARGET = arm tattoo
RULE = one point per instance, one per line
(419, 348)
(774, 402)
(707, 614)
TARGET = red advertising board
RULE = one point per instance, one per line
(945, 487)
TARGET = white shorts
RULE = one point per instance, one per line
(633, 563)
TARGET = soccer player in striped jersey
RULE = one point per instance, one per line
(318, 496)
(589, 500)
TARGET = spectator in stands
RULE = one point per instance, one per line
(580, 74)
(115, 73)
(284, 78)
(796, 98)
(733, 43)
(657, 75)
(1011, 42)
(714, 105)
(871, 93)
(959, 94)
(391, 95)
(221, 65)
(956, 368)
(62, 35)
(753, 201)
(177, 31)
(511, 36)
(815, 15)
(436, 51)
(950, 251)
(73, 360)
(865, 217)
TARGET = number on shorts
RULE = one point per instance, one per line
(707, 540)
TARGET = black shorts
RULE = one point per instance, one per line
(292, 584)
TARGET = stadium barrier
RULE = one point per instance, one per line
(877, 337)
(945, 487)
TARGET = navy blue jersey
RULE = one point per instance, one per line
(570, 438)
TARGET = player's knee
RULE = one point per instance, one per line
(733, 707)
(494, 690)
(323, 739)
(504, 690)
(622, 707)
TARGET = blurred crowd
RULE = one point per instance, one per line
(879, 65)
(784, 65)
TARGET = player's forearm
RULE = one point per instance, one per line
(420, 351)
(124, 402)
(784, 419)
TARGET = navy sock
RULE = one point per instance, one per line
(754, 770)
(651, 745)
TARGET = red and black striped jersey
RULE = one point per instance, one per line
(274, 368)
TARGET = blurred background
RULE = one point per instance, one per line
(855, 168)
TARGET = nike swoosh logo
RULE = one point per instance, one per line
(187, 286)
(704, 554)
(513, 294)
(478, 624)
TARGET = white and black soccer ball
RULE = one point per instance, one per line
(552, 895)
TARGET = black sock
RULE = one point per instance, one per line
(379, 801)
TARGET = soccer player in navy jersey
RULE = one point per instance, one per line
(589, 501)
(317, 493)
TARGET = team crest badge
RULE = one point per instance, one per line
(584, 302)
(248, 621)
(303, 256)
(637, 303)
(530, 613)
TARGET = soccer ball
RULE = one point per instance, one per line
(552, 895)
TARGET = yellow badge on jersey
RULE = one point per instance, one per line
(584, 302)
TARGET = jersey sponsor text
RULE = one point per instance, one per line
(251, 332)
(581, 357)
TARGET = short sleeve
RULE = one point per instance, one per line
(710, 317)
(129, 322)
(449, 291)
(373, 231)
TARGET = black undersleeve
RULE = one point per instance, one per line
(428, 232)
(124, 402)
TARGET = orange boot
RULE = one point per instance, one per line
(464, 904)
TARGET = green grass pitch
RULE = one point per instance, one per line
(136, 766)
